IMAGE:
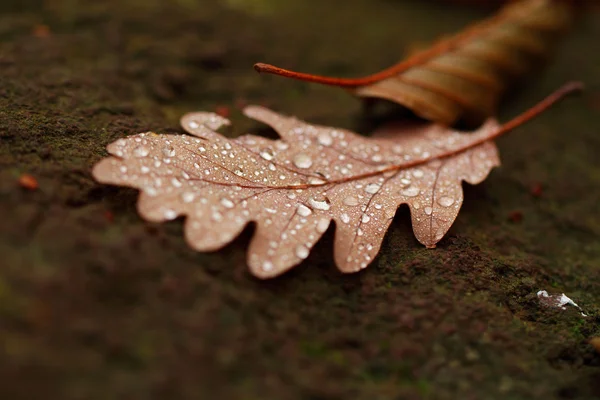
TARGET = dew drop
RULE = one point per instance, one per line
(194, 125)
(365, 218)
(141, 151)
(144, 169)
(405, 182)
(417, 173)
(169, 151)
(302, 160)
(428, 210)
(372, 188)
(376, 158)
(320, 204)
(301, 251)
(325, 139)
(267, 154)
(345, 218)
(187, 197)
(351, 201)
(322, 225)
(170, 214)
(315, 181)
(303, 210)
(267, 266)
(446, 201)
(410, 192)
(175, 182)
(225, 202)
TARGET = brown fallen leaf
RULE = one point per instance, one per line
(294, 187)
(28, 182)
(463, 77)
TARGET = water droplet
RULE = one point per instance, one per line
(267, 154)
(216, 216)
(302, 160)
(175, 182)
(187, 197)
(194, 125)
(428, 210)
(320, 204)
(324, 139)
(123, 169)
(377, 158)
(169, 151)
(141, 151)
(301, 251)
(322, 225)
(225, 202)
(170, 214)
(417, 173)
(267, 266)
(144, 169)
(303, 210)
(372, 188)
(316, 181)
(351, 201)
(272, 167)
(365, 218)
(410, 192)
(446, 201)
(345, 218)
(405, 182)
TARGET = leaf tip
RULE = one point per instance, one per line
(192, 122)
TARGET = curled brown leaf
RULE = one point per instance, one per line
(463, 77)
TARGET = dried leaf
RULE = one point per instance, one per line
(294, 187)
(464, 76)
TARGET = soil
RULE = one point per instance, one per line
(95, 303)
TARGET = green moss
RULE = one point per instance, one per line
(101, 305)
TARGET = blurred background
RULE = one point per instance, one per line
(97, 304)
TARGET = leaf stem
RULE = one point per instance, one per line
(539, 108)
(441, 47)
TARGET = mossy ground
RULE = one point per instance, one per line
(97, 304)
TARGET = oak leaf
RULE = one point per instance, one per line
(294, 187)
(463, 77)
